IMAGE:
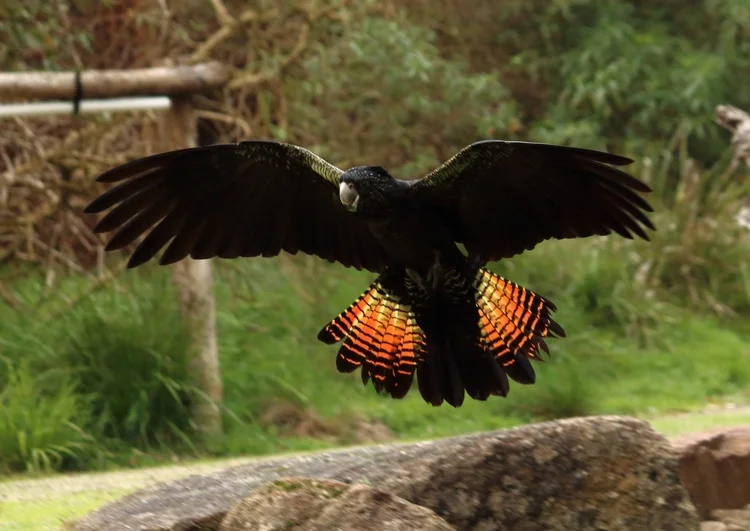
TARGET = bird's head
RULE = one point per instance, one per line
(366, 189)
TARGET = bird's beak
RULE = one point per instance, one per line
(348, 195)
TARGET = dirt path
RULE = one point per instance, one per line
(33, 489)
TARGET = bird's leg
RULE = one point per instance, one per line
(476, 262)
(417, 278)
(435, 274)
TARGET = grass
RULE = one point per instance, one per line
(120, 350)
(269, 313)
(684, 423)
(47, 514)
(652, 328)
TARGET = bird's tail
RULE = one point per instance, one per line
(381, 335)
(473, 345)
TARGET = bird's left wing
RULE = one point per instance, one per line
(501, 198)
(253, 198)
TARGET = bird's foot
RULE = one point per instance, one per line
(417, 278)
(476, 262)
(435, 274)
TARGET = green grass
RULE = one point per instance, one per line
(121, 350)
(684, 423)
(51, 513)
(652, 327)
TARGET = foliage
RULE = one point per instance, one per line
(403, 83)
(433, 105)
(603, 73)
(40, 423)
(129, 353)
(697, 258)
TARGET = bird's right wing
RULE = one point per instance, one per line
(502, 198)
(254, 198)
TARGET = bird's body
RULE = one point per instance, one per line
(434, 310)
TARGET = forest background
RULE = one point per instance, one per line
(94, 362)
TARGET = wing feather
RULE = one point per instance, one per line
(506, 197)
(255, 198)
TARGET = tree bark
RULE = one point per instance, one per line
(167, 80)
(193, 279)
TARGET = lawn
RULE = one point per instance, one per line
(113, 366)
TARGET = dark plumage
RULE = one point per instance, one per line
(433, 310)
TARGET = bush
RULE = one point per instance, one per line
(41, 424)
(563, 390)
(128, 350)
(698, 259)
(382, 92)
(404, 84)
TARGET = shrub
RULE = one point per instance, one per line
(41, 425)
(129, 350)
(384, 93)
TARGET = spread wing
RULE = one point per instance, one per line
(501, 198)
(249, 199)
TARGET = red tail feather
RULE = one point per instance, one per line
(382, 334)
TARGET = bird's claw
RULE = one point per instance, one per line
(435, 274)
(476, 262)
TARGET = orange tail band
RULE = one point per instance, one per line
(380, 335)
(513, 321)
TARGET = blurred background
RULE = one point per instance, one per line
(94, 361)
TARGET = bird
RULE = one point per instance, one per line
(434, 312)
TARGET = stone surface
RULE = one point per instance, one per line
(715, 468)
(604, 473)
(310, 505)
(735, 519)
(712, 525)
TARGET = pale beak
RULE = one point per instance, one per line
(348, 195)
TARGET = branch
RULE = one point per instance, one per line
(253, 78)
(227, 30)
(222, 13)
(171, 81)
(226, 118)
(11, 300)
(737, 122)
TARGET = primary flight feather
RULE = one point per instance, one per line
(433, 311)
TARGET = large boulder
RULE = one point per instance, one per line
(310, 505)
(728, 520)
(715, 468)
(603, 473)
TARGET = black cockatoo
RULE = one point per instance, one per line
(434, 309)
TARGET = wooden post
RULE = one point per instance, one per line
(193, 278)
(165, 80)
(194, 283)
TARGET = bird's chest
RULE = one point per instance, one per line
(412, 238)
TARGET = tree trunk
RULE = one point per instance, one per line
(179, 130)
(194, 283)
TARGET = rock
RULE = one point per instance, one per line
(711, 525)
(733, 518)
(601, 473)
(311, 505)
(715, 468)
